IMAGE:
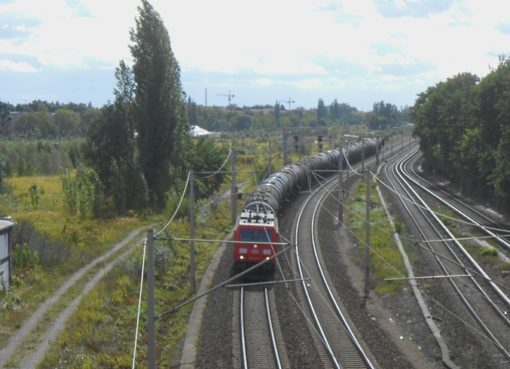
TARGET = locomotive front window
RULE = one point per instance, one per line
(255, 235)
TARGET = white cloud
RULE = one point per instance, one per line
(298, 44)
(12, 66)
(68, 37)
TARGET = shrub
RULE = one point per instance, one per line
(83, 193)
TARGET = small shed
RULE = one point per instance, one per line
(5, 253)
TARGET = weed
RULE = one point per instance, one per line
(488, 251)
(386, 260)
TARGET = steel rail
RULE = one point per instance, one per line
(244, 351)
(271, 331)
(338, 310)
(243, 323)
(445, 351)
(323, 337)
(464, 300)
(339, 314)
(478, 268)
(488, 230)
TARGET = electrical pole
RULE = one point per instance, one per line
(151, 331)
(377, 152)
(285, 153)
(362, 154)
(382, 150)
(270, 165)
(192, 231)
(340, 188)
(233, 189)
(367, 242)
(277, 113)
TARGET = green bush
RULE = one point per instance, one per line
(23, 257)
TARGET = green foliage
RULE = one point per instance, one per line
(35, 193)
(3, 170)
(9, 300)
(463, 129)
(488, 251)
(24, 157)
(83, 193)
(321, 112)
(398, 227)
(204, 156)
(23, 257)
(158, 104)
(45, 120)
(384, 116)
(386, 260)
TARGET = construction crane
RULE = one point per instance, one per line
(289, 101)
(229, 96)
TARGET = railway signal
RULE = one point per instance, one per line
(296, 143)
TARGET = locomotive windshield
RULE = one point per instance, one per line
(255, 235)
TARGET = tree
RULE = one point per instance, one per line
(67, 122)
(383, 115)
(203, 155)
(334, 110)
(322, 112)
(158, 105)
(191, 111)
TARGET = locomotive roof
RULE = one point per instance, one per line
(257, 217)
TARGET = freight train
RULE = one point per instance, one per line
(256, 230)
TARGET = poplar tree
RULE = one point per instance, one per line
(158, 107)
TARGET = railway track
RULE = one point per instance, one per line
(468, 212)
(260, 341)
(342, 347)
(482, 312)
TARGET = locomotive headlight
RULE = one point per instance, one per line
(255, 246)
(241, 257)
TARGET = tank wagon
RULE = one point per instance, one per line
(256, 228)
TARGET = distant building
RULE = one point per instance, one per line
(5, 253)
(197, 131)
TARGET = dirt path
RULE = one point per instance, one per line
(31, 360)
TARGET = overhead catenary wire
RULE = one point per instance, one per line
(356, 172)
(419, 243)
(178, 206)
(219, 285)
(220, 168)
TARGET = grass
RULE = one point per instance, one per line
(385, 258)
(101, 332)
(81, 240)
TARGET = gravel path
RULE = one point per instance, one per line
(31, 360)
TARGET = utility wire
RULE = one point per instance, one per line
(178, 206)
(221, 167)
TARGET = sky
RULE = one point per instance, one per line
(262, 51)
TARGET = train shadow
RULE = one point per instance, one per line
(257, 276)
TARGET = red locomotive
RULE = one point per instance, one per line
(255, 232)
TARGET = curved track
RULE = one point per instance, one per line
(483, 308)
(332, 325)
